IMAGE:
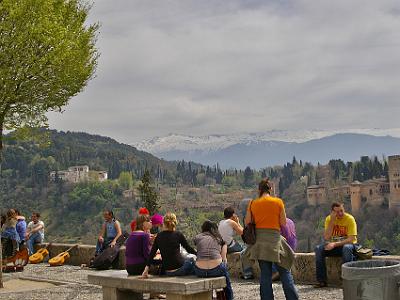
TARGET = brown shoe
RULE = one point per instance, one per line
(321, 284)
(275, 276)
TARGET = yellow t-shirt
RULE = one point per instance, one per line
(266, 211)
(342, 228)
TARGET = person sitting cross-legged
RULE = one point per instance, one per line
(340, 235)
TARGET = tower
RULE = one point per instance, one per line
(394, 182)
(355, 196)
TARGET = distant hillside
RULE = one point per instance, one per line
(77, 148)
(347, 146)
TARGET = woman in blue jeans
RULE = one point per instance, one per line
(211, 255)
(268, 215)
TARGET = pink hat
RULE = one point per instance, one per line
(157, 219)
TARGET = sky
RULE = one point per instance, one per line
(212, 67)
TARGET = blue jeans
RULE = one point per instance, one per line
(186, 269)
(346, 252)
(100, 247)
(35, 238)
(220, 270)
(266, 291)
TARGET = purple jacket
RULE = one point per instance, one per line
(137, 248)
(289, 233)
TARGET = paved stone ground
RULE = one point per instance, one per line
(77, 288)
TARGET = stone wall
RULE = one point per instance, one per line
(303, 271)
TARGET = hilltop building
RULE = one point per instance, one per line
(373, 192)
(316, 194)
(76, 174)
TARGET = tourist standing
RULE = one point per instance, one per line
(269, 215)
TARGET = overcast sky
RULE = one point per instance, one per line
(205, 66)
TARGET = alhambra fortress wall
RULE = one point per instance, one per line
(373, 192)
(303, 270)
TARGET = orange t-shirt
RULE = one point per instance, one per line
(266, 211)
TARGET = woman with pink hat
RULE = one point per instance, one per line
(157, 222)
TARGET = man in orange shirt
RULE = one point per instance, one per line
(340, 235)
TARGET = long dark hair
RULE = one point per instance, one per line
(264, 187)
(111, 213)
(211, 228)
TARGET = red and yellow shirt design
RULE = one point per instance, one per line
(343, 227)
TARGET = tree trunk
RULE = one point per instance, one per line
(1, 247)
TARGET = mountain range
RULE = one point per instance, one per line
(275, 147)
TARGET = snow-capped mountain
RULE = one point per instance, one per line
(217, 142)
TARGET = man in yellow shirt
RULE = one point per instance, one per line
(340, 235)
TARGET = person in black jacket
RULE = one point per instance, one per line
(169, 242)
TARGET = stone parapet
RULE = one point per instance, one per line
(303, 270)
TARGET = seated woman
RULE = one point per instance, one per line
(110, 232)
(9, 231)
(138, 246)
(168, 242)
(211, 255)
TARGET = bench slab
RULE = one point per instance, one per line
(118, 285)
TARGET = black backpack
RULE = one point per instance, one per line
(109, 257)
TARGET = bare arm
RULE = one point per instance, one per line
(102, 232)
(36, 228)
(329, 229)
(236, 226)
(350, 239)
(224, 250)
(119, 233)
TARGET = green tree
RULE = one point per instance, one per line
(148, 193)
(125, 180)
(248, 177)
(47, 56)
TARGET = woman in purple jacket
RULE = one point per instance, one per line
(138, 246)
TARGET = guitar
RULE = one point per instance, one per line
(40, 255)
(61, 258)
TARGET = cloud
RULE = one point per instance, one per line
(202, 67)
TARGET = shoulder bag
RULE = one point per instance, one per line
(249, 231)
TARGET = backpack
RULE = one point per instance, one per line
(109, 257)
(363, 253)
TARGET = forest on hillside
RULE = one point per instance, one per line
(72, 212)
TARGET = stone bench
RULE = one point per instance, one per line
(304, 267)
(303, 270)
(117, 285)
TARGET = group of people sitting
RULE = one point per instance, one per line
(148, 246)
(16, 234)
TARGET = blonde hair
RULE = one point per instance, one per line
(11, 214)
(170, 221)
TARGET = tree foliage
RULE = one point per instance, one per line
(47, 56)
(125, 180)
(148, 193)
